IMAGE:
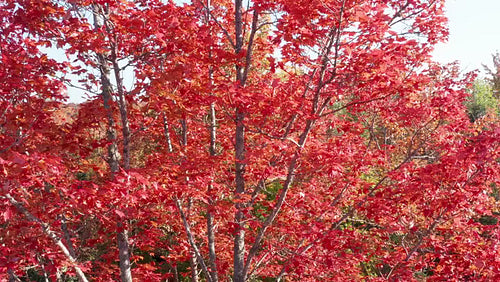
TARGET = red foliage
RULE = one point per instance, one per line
(320, 132)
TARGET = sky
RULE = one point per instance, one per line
(474, 33)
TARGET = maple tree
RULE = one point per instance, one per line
(261, 140)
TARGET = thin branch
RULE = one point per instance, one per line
(421, 238)
(167, 133)
(19, 140)
(193, 244)
(397, 14)
(51, 234)
(226, 33)
(70, 84)
(248, 58)
(12, 276)
(67, 235)
(258, 263)
(354, 103)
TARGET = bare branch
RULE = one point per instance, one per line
(195, 248)
(354, 103)
(51, 234)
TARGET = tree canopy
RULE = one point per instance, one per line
(247, 141)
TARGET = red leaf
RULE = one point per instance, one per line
(120, 214)
(7, 214)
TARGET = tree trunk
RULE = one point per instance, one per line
(239, 236)
(122, 237)
(124, 255)
(210, 216)
(100, 18)
(194, 266)
(212, 150)
(107, 98)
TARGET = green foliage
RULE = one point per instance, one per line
(271, 192)
(396, 238)
(35, 275)
(82, 176)
(488, 220)
(495, 192)
(424, 273)
(481, 100)
(375, 268)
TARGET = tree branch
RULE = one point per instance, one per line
(248, 59)
(195, 248)
(226, 33)
(51, 234)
